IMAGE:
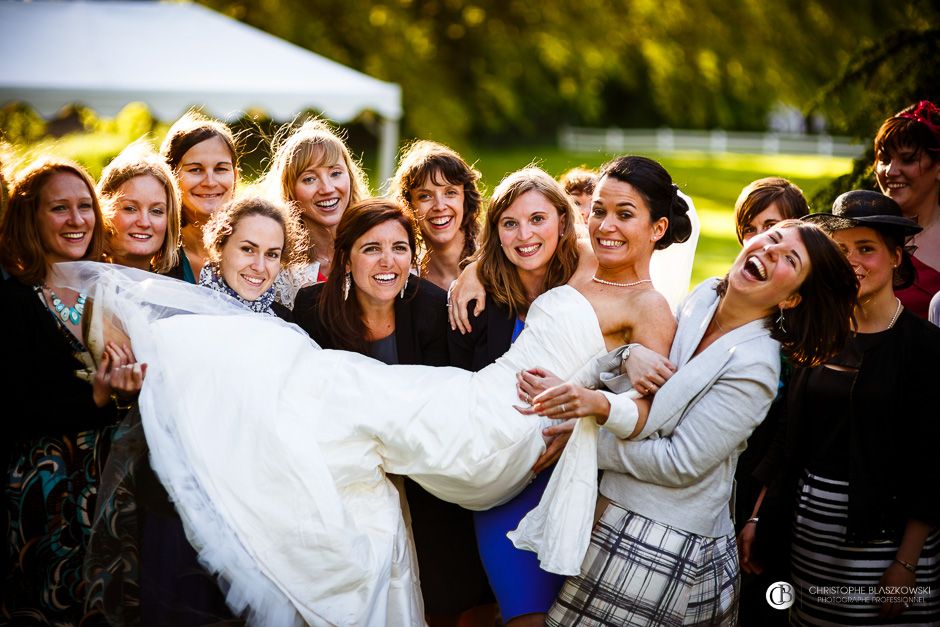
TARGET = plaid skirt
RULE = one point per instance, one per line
(640, 572)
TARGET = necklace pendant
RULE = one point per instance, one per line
(68, 314)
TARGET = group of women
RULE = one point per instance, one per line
(336, 486)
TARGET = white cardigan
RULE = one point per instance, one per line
(680, 469)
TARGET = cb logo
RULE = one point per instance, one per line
(780, 595)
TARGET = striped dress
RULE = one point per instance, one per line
(837, 574)
(837, 582)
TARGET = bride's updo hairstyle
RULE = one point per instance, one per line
(653, 182)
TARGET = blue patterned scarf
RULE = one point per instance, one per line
(210, 277)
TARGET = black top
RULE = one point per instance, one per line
(831, 420)
(282, 312)
(38, 372)
(385, 350)
(420, 322)
(182, 268)
(489, 339)
(892, 429)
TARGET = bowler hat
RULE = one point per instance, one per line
(865, 208)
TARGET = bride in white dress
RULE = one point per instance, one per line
(275, 452)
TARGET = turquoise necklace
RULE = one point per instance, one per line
(68, 314)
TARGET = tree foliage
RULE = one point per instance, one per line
(508, 69)
(882, 77)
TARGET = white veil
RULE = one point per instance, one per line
(124, 302)
(671, 268)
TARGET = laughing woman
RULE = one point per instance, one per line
(860, 446)
(663, 551)
(440, 189)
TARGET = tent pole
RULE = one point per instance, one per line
(388, 148)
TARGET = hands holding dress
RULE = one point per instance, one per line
(119, 376)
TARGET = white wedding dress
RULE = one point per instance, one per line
(275, 452)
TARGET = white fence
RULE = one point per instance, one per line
(665, 140)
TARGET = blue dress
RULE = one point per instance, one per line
(520, 586)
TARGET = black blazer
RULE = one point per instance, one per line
(490, 337)
(893, 469)
(420, 322)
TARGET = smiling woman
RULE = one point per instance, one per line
(907, 167)
(248, 243)
(59, 404)
(202, 154)
(440, 189)
(141, 207)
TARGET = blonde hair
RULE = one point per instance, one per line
(314, 143)
(139, 159)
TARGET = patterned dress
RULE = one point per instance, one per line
(54, 452)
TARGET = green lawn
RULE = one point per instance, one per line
(713, 182)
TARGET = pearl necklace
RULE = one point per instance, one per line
(615, 284)
(897, 313)
(68, 314)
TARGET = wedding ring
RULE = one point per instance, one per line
(528, 399)
(563, 408)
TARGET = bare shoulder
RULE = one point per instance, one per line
(652, 303)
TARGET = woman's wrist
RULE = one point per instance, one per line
(908, 566)
(600, 407)
(122, 404)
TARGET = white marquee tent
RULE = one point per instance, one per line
(171, 56)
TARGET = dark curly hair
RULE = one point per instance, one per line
(655, 185)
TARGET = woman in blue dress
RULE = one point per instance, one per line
(530, 246)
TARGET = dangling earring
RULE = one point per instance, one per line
(402, 294)
(347, 283)
(780, 321)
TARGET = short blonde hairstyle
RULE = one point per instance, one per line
(313, 144)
